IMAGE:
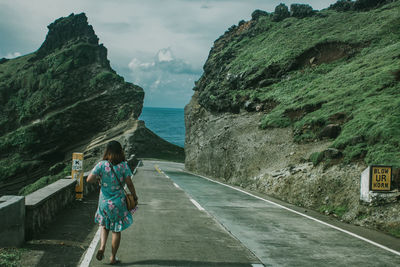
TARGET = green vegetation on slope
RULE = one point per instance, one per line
(30, 88)
(56, 97)
(10, 257)
(332, 68)
(44, 181)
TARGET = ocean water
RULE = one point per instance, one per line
(168, 123)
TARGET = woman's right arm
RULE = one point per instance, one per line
(94, 174)
(92, 178)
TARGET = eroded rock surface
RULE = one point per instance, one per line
(276, 110)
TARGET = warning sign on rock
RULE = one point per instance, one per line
(380, 178)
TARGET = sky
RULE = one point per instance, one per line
(160, 45)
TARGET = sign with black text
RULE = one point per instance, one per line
(380, 178)
(77, 173)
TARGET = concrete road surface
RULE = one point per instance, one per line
(186, 220)
(168, 230)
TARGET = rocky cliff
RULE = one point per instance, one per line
(62, 98)
(296, 106)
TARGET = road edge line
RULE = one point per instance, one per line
(219, 223)
(87, 258)
(197, 204)
(304, 215)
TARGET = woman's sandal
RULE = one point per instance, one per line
(100, 255)
(117, 261)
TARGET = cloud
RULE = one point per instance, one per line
(166, 79)
(164, 61)
(165, 55)
(205, 6)
(136, 64)
(13, 55)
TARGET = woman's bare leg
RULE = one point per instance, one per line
(103, 238)
(116, 239)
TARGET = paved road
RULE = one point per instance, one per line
(170, 230)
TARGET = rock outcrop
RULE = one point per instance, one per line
(59, 99)
(286, 108)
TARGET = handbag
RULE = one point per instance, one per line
(130, 201)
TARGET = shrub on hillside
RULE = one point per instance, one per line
(397, 75)
(359, 5)
(363, 5)
(342, 5)
(281, 12)
(258, 13)
(301, 11)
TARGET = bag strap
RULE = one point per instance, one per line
(116, 176)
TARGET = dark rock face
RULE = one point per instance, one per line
(57, 99)
(332, 153)
(146, 144)
(331, 131)
(73, 28)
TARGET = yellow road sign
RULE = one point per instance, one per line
(380, 178)
(157, 168)
(77, 173)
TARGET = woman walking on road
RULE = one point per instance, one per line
(112, 213)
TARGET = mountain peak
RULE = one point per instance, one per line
(65, 30)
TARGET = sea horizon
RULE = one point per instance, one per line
(162, 107)
(168, 123)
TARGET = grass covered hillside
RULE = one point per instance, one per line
(328, 74)
(57, 98)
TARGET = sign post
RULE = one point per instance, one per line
(77, 174)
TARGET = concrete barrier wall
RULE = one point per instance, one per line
(43, 204)
(22, 218)
(12, 221)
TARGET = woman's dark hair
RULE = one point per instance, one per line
(114, 153)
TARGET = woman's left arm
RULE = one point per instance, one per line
(131, 187)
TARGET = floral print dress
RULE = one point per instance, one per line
(112, 211)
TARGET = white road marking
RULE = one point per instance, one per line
(177, 186)
(90, 251)
(257, 265)
(197, 204)
(306, 216)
